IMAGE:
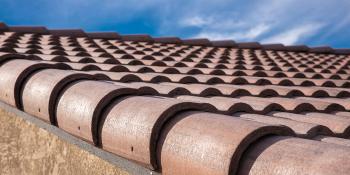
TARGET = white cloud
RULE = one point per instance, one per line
(255, 31)
(195, 21)
(294, 35)
(214, 35)
(249, 34)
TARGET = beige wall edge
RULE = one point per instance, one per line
(31, 146)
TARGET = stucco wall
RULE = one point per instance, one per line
(27, 149)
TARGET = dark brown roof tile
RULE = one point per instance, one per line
(168, 40)
(29, 29)
(276, 47)
(249, 45)
(342, 51)
(298, 48)
(322, 49)
(3, 27)
(224, 43)
(103, 35)
(137, 37)
(68, 32)
(198, 42)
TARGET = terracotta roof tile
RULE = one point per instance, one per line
(29, 29)
(293, 158)
(103, 35)
(224, 43)
(249, 45)
(13, 74)
(68, 32)
(43, 88)
(191, 106)
(322, 49)
(335, 140)
(140, 38)
(78, 110)
(3, 27)
(302, 129)
(342, 51)
(221, 139)
(277, 47)
(232, 105)
(298, 48)
(338, 125)
(168, 40)
(134, 134)
(341, 113)
(200, 42)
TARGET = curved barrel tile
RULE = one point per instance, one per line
(299, 104)
(196, 89)
(343, 102)
(334, 140)
(340, 126)
(9, 56)
(132, 126)
(342, 113)
(287, 155)
(12, 76)
(232, 105)
(209, 144)
(41, 91)
(81, 105)
(164, 90)
(302, 129)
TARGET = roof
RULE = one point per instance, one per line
(186, 106)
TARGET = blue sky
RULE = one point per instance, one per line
(312, 22)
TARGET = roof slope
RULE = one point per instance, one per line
(186, 106)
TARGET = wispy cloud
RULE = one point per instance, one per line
(196, 21)
(294, 35)
(249, 34)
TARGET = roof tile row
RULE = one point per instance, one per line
(170, 40)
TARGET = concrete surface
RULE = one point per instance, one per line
(28, 149)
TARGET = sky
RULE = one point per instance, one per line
(311, 22)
